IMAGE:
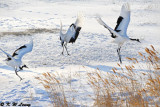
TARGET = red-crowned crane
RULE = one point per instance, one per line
(72, 33)
(15, 60)
(119, 34)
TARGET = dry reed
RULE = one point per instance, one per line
(55, 90)
(129, 88)
(124, 87)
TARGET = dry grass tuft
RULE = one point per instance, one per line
(126, 86)
(55, 90)
(129, 89)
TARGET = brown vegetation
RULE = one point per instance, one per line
(126, 86)
(140, 89)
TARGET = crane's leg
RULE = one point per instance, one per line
(63, 50)
(62, 43)
(118, 51)
(17, 74)
(66, 48)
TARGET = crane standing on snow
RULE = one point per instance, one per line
(15, 60)
(72, 33)
(119, 33)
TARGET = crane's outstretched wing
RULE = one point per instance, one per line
(123, 20)
(101, 22)
(79, 20)
(9, 57)
(71, 31)
(20, 52)
(76, 27)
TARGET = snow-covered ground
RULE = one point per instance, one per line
(93, 48)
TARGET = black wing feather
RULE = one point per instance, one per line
(14, 54)
(73, 39)
(119, 20)
(118, 23)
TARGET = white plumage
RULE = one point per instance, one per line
(125, 14)
(120, 32)
(15, 60)
(72, 33)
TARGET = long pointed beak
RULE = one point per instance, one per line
(26, 67)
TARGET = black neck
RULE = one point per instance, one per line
(134, 39)
(73, 25)
(24, 66)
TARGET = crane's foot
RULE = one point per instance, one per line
(21, 79)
